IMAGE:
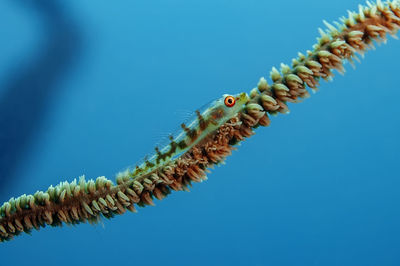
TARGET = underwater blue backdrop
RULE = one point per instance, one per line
(89, 87)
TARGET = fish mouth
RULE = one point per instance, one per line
(244, 98)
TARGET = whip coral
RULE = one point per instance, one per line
(80, 201)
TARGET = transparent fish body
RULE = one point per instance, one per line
(202, 123)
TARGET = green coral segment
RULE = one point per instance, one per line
(71, 203)
(82, 200)
(356, 33)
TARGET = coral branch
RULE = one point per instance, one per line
(82, 200)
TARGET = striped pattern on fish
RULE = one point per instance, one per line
(205, 122)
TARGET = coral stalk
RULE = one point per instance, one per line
(81, 201)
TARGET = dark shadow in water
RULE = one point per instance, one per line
(29, 90)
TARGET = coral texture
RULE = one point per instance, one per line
(81, 201)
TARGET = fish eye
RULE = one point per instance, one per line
(229, 101)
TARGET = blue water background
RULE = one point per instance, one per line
(100, 83)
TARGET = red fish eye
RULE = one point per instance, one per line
(229, 101)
